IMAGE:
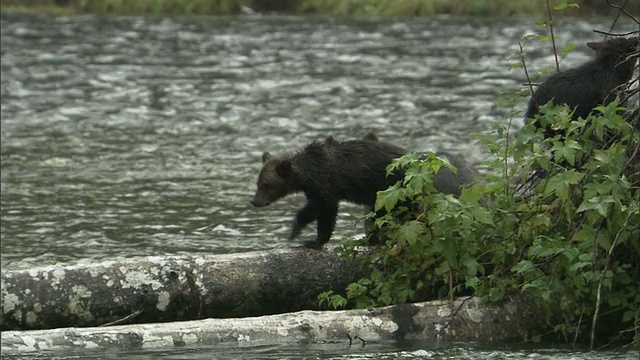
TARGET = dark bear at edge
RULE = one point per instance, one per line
(593, 83)
(330, 171)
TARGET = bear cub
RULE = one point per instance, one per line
(591, 84)
(328, 172)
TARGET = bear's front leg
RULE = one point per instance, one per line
(327, 214)
(304, 216)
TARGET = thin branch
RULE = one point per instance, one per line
(124, 319)
(607, 33)
(505, 162)
(575, 337)
(613, 24)
(622, 9)
(553, 38)
(636, 329)
(620, 334)
(594, 321)
(453, 315)
(524, 67)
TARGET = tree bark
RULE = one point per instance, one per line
(171, 288)
(472, 321)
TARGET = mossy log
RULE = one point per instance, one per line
(170, 288)
(472, 321)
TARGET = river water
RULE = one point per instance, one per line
(404, 350)
(133, 136)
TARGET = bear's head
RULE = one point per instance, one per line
(618, 51)
(371, 137)
(273, 181)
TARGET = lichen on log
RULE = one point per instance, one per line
(170, 288)
(471, 321)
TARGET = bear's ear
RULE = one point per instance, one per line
(330, 140)
(370, 137)
(265, 156)
(283, 169)
(596, 45)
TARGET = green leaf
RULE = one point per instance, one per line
(567, 150)
(471, 264)
(560, 6)
(564, 5)
(388, 198)
(355, 289)
(578, 266)
(523, 267)
(561, 183)
(602, 204)
(450, 251)
(410, 231)
(482, 215)
(472, 283)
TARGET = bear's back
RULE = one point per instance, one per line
(361, 168)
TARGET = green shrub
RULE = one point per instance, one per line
(566, 236)
(558, 224)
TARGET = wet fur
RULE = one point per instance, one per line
(592, 84)
(330, 171)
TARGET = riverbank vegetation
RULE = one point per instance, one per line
(298, 7)
(557, 226)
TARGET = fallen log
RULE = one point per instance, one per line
(170, 288)
(471, 321)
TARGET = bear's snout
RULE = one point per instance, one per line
(258, 202)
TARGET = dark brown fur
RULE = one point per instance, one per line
(327, 172)
(591, 84)
(331, 171)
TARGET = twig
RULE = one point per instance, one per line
(124, 319)
(635, 328)
(622, 9)
(608, 33)
(451, 289)
(631, 343)
(356, 338)
(553, 38)
(575, 337)
(453, 314)
(613, 24)
(505, 162)
(524, 68)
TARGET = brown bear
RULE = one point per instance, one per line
(330, 171)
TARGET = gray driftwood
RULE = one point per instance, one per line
(472, 321)
(170, 288)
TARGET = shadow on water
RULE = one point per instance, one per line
(127, 136)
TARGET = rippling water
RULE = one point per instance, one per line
(417, 350)
(127, 136)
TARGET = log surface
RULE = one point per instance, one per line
(472, 321)
(170, 288)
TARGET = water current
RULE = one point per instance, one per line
(132, 136)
